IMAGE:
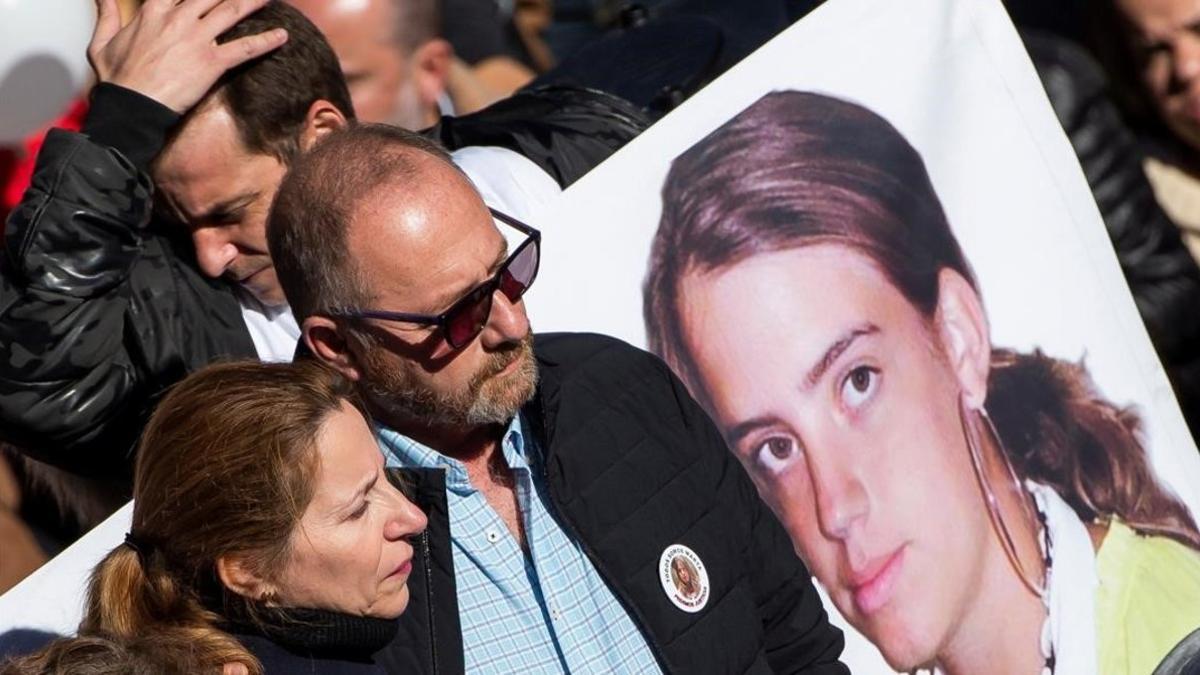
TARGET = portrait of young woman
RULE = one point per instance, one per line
(969, 508)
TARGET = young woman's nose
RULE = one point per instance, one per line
(841, 500)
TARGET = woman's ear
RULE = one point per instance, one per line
(238, 576)
(963, 329)
(329, 343)
(322, 119)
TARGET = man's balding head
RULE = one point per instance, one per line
(324, 193)
(391, 53)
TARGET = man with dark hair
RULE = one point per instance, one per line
(102, 304)
(562, 475)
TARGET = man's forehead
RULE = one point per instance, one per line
(424, 241)
(207, 166)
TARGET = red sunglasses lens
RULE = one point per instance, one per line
(468, 317)
(520, 272)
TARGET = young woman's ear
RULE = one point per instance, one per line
(963, 330)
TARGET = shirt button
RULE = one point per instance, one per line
(555, 614)
(492, 536)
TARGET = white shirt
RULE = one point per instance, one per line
(273, 330)
(507, 181)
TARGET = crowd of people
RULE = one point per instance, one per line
(276, 237)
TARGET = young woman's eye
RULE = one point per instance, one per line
(774, 454)
(859, 386)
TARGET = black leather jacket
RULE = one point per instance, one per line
(1160, 271)
(102, 307)
(631, 466)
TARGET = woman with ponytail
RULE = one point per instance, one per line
(968, 508)
(265, 531)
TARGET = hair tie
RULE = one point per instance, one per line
(140, 545)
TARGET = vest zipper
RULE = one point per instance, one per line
(427, 558)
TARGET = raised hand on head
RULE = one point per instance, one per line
(169, 50)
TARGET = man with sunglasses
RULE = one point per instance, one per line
(562, 474)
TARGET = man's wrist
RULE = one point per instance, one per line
(129, 122)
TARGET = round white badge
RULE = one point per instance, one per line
(684, 579)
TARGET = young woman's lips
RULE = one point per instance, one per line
(873, 586)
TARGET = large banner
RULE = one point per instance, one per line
(870, 253)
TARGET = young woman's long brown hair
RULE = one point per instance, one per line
(225, 466)
(797, 169)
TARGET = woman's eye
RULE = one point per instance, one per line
(859, 385)
(359, 512)
(775, 453)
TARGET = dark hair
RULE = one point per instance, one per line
(226, 466)
(797, 169)
(101, 655)
(269, 96)
(318, 198)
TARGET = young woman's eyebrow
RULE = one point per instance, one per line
(835, 350)
(735, 434)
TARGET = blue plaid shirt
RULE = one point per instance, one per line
(548, 612)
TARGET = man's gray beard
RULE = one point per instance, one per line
(396, 395)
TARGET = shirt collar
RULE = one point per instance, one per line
(401, 451)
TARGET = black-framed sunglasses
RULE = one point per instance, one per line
(467, 316)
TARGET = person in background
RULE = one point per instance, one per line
(398, 67)
(1160, 53)
(1162, 275)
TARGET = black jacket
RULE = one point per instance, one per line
(633, 465)
(278, 660)
(102, 307)
(1160, 271)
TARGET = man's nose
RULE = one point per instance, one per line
(507, 323)
(214, 251)
(1185, 59)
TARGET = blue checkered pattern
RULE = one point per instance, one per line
(548, 612)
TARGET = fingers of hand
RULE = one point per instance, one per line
(243, 49)
(224, 15)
